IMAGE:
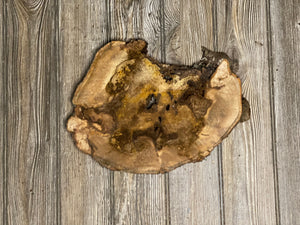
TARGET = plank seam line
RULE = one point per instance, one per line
(58, 111)
(4, 99)
(108, 22)
(163, 59)
(221, 184)
(136, 200)
(272, 111)
(219, 148)
(162, 30)
(111, 173)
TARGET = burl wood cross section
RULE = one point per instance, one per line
(253, 177)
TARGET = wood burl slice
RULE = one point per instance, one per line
(135, 114)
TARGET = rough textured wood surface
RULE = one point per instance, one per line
(2, 113)
(133, 204)
(190, 198)
(248, 178)
(31, 119)
(86, 193)
(47, 47)
(284, 68)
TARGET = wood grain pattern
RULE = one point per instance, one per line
(285, 49)
(85, 186)
(2, 115)
(194, 188)
(30, 48)
(138, 199)
(248, 181)
(46, 49)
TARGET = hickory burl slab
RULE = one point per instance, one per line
(135, 114)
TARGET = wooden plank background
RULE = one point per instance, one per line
(253, 177)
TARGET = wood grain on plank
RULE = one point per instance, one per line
(194, 188)
(285, 43)
(31, 137)
(46, 180)
(85, 185)
(138, 198)
(248, 178)
(2, 114)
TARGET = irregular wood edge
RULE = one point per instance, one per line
(86, 147)
(236, 122)
(112, 166)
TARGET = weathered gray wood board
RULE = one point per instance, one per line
(248, 178)
(85, 186)
(46, 47)
(138, 199)
(284, 68)
(194, 188)
(3, 122)
(30, 52)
